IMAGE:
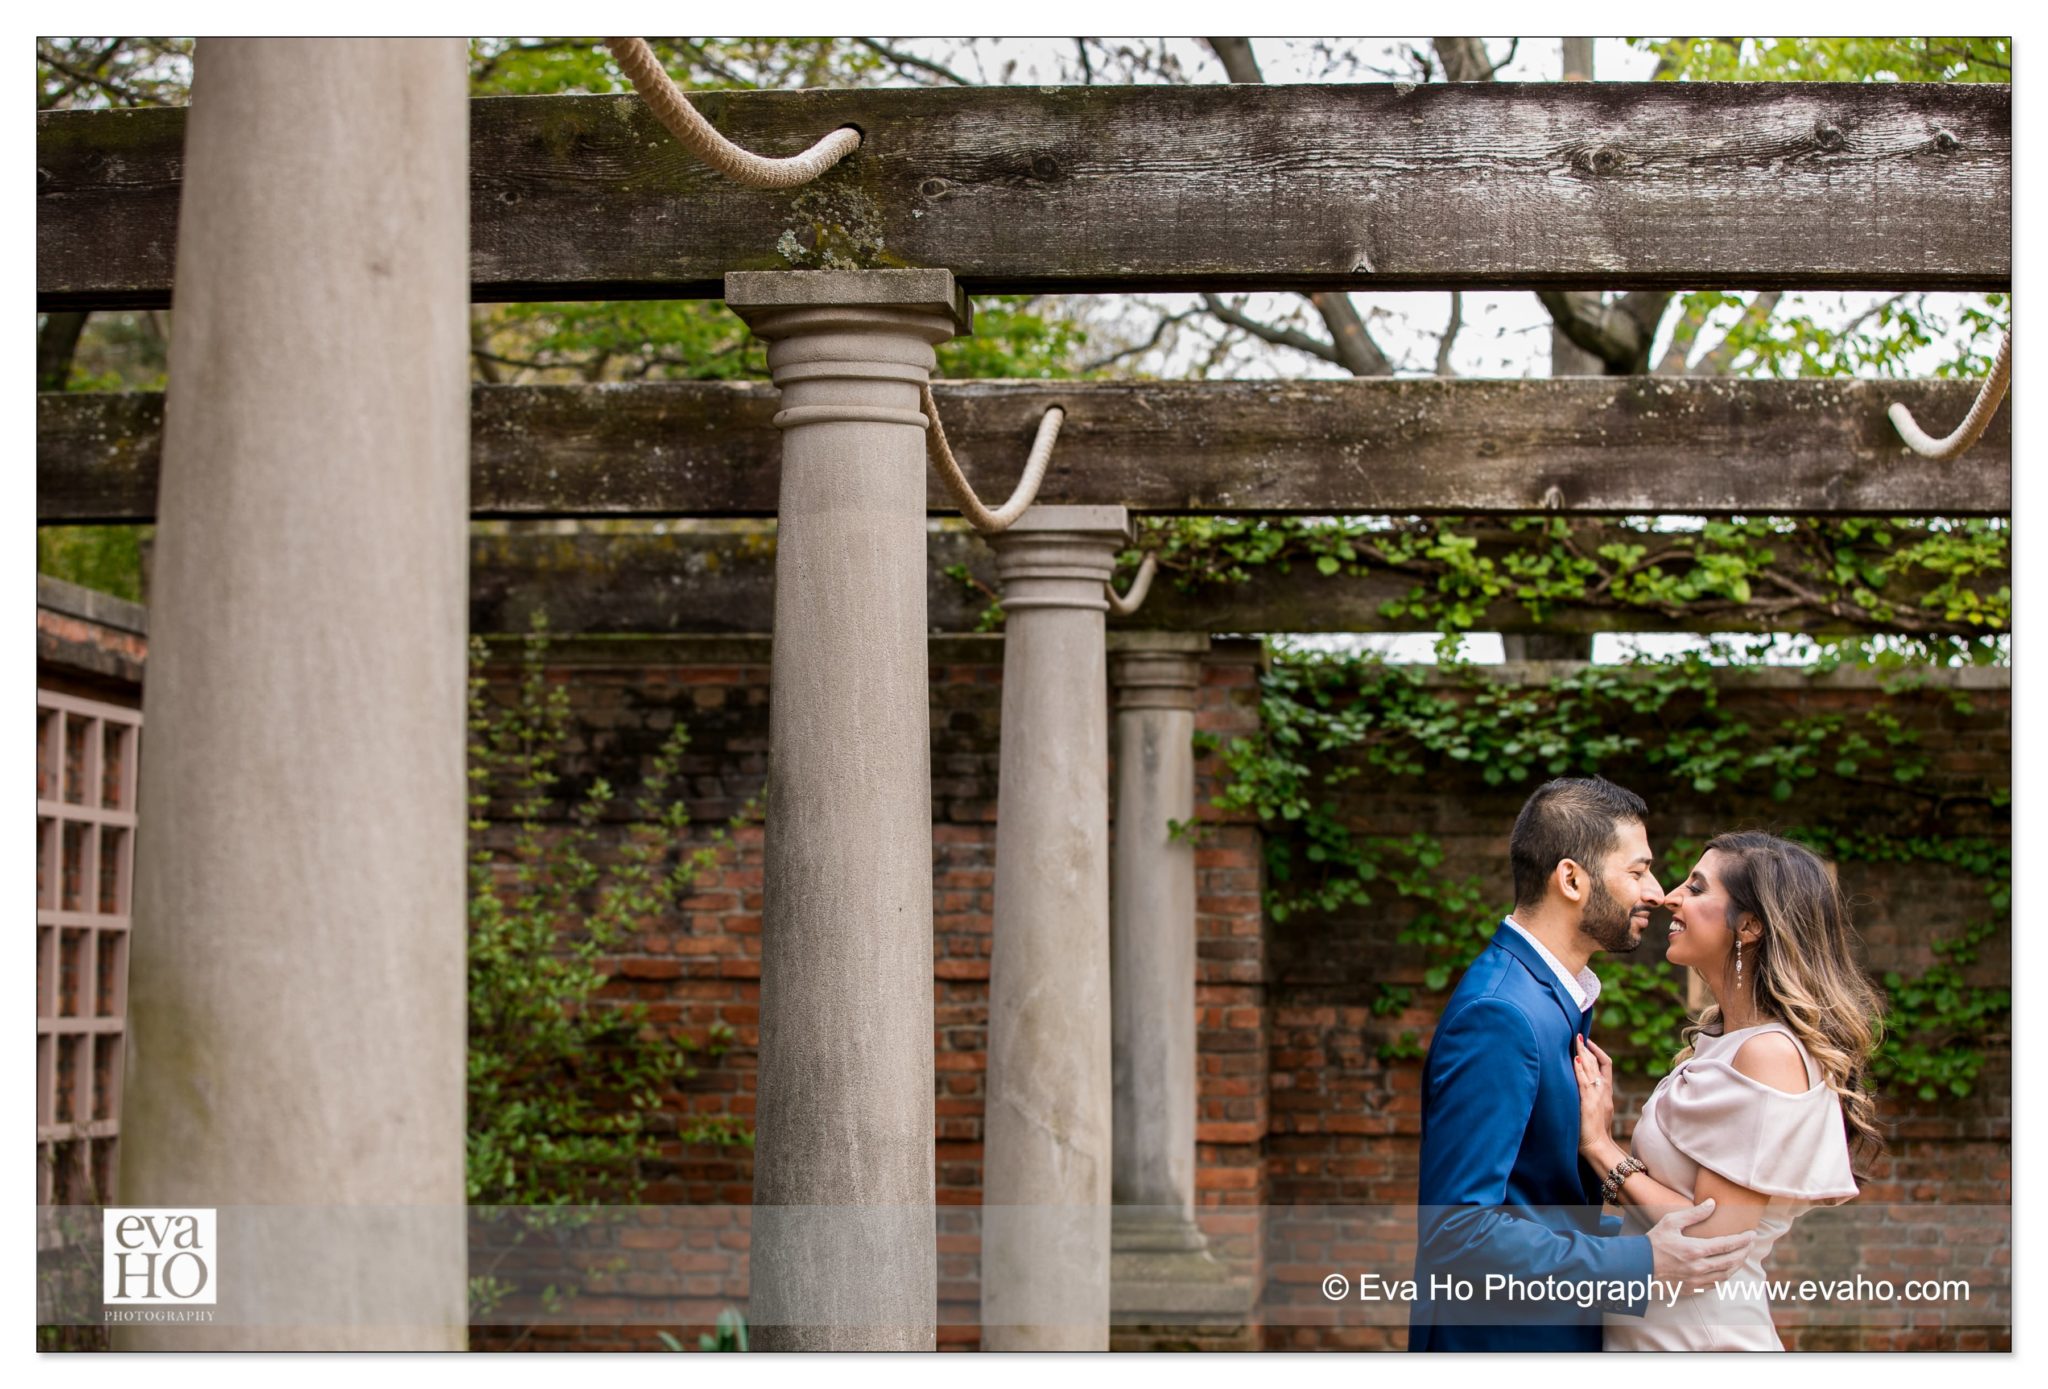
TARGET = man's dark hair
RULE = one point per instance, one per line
(1576, 818)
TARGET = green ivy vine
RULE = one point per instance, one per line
(1944, 585)
(1329, 721)
(565, 1086)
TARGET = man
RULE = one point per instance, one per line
(1503, 1192)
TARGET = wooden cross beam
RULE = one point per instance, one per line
(721, 581)
(1585, 445)
(1594, 185)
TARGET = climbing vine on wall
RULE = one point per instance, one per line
(1329, 723)
(564, 1086)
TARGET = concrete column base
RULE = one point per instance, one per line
(1148, 1230)
(1167, 1286)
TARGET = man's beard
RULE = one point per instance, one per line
(1608, 923)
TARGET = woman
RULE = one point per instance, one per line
(1762, 1106)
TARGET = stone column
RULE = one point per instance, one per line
(297, 978)
(1162, 1269)
(1046, 1183)
(844, 1253)
(1154, 677)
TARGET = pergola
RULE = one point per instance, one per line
(297, 964)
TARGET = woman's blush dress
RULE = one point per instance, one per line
(1790, 1147)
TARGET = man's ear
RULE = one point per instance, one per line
(1571, 880)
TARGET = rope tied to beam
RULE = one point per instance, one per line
(1973, 425)
(637, 61)
(1123, 605)
(986, 521)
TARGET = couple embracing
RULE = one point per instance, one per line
(1752, 1126)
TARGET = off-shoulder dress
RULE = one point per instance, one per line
(1790, 1147)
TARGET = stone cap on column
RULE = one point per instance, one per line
(1108, 522)
(1060, 556)
(1134, 643)
(1156, 670)
(754, 294)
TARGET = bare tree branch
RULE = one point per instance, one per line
(905, 62)
(1279, 337)
(1873, 311)
(1464, 59)
(1578, 60)
(58, 61)
(1236, 56)
(1620, 334)
(1357, 353)
(1968, 55)
(57, 348)
(1684, 334)
(1724, 353)
(1450, 334)
(1166, 320)
(1350, 346)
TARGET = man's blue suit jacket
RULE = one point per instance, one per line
(1503, 1189)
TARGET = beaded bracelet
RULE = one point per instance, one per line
(1610, 1188)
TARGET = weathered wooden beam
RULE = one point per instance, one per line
(1082, 189)
(1607, 445)
(722, 581)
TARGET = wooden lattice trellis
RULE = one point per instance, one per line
(85, 854)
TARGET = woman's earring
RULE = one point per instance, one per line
(1738, 962)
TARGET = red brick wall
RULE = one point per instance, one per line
(703, 966)
(1345, 1123)
(1296, 1108)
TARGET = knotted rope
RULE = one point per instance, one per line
(1140, 586)
(1973, 425)
(986, 521)
(697, 135)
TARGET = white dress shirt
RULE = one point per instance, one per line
(1584, 987)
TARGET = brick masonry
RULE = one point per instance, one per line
(1296, 1106)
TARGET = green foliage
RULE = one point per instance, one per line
(562, 1083)
(1942, 584)
(1011, 340)
(547, 67)
(1762, 341)
(107, 558)
(1880, 341)
(677, 340)
(1328, 723)
(74, 73)
(1939, 1019)
(698, 340)
(1831, 59)
(634, 340)
(991, 617)
(728, 1333)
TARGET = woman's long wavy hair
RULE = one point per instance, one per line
(1805, 968)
